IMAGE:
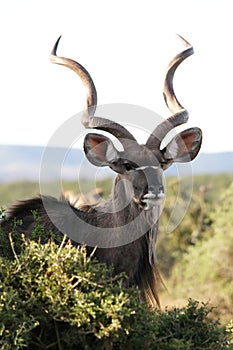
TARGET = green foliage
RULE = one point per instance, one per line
(197, 221)
(5, 246)
(38, 233)
(177, 327)
(205, 270)
(57, 297)
(195, 225)
(229, 330)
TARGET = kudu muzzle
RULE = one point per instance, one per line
(150, 180)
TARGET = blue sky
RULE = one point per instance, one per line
(126, 46)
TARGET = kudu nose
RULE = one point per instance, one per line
(156, 190)
(153, 197)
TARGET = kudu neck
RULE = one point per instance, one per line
(122, 193)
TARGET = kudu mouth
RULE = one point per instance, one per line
(151, 200)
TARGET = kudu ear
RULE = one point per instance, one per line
(184, 147)
(99, 149)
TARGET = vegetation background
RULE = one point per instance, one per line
(195, 260)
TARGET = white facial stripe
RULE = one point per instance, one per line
(145, 167)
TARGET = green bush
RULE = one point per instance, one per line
(204, 272)
(56, 297)
(194, 226)
(197, 223)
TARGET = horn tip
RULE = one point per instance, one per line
(54, 50)
(184, 41)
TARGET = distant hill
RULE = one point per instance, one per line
(208, 163)
(24, 163)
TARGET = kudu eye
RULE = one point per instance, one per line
(128, 166)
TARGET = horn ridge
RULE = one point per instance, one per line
(88, 119)
(91, 100)
(180, 114)
(169, 96)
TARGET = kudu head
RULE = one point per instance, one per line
(141, 165)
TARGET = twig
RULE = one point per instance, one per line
(13, 249)
(93, 252)
(62, 244)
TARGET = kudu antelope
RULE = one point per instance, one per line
(137, 191)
